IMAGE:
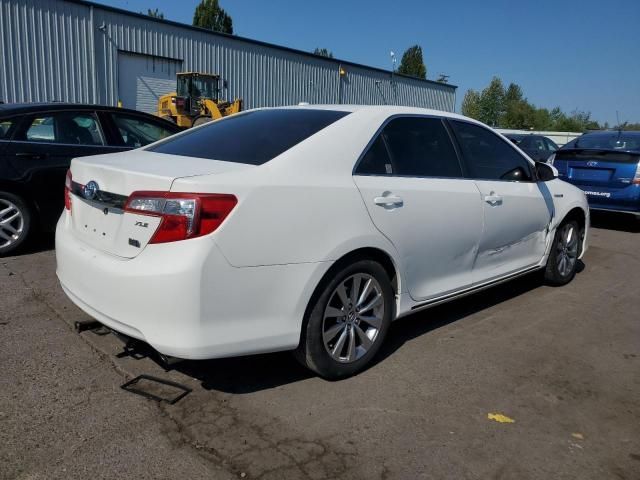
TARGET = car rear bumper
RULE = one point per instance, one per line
(625, 199)
(187, 301)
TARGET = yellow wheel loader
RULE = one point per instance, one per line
(196, 101)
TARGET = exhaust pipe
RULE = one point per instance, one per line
(168, 360)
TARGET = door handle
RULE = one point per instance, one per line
(33, 156)
(493, 199)
(388, 201)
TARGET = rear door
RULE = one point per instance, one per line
(517, 210)
(411, 181)
(41, 152)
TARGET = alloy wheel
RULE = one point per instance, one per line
(567, 250)
(11, 223)
(353, 318)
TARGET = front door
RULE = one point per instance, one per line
(411, 181)
(517, 210)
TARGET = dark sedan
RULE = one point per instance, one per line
(538, 147)
(37, 143)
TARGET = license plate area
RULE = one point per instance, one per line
(110, 229)
(591, 174)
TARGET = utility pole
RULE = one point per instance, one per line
(393, 71)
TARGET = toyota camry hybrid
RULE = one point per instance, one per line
(308, 228)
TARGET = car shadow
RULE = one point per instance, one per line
(621, 222)
(242, 375)
(41, 242)
(420, 323)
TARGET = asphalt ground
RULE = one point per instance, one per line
(560, 367)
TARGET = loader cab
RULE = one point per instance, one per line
(194, 87)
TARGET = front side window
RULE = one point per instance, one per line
(412, 146)
(537, 143)
(489, 157)
(66, 128)
(137, 132)
(253, 137)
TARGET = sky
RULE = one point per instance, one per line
(578, 55)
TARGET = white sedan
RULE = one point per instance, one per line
(308, 229)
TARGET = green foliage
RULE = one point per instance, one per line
(155, 13)
(509, 108)
(323, 52)
(412, 63)
(492, 102)
(471, 104)
(210, 15)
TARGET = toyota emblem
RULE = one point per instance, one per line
(90, 190)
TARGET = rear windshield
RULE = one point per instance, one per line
(253, 137)
(608, 141)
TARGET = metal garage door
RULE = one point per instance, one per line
(142, 79)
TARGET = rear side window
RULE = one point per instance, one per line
(66, 128)
(5, 127)
(487, 156)
(253, 137)
(415, 146)
(137, 132)
(551, 146)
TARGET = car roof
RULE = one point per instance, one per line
(379, 109)
(22, 108)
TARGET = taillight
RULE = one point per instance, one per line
(67, 190)
(183, 215)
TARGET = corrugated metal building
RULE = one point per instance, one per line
(76, 51)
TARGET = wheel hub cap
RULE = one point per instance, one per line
(567, 250)
(11, 223)
(353, 318)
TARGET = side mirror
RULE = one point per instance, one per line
(546, 172)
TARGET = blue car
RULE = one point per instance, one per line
(606, 166)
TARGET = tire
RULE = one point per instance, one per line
(15, 223)
(563, 258)
(201, 120)
(337, 346)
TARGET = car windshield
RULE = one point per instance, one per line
(608, 141)
(252, 137)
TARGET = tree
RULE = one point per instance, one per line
(412, 63)
(492, 102)
(155, 13)
(517, 111)
(509, 108)
(471, 104)
(323, 52)
(210, 15)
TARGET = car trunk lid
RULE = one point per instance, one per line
(102, 184)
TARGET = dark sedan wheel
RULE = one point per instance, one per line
(15, 223)
(563, 259)
(348, 321)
